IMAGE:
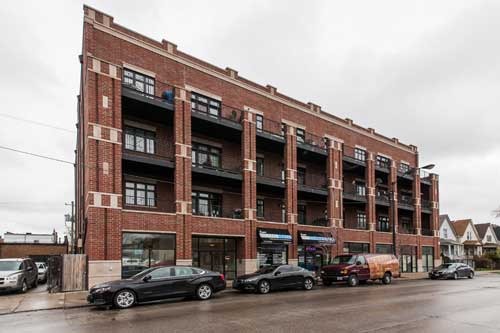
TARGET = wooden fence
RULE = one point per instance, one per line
(67, 272)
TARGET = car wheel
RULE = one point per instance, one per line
(204, 292)
(471, 275)
(124, 299)
(327, 283)
(455, 276)
(387, 278)
(263, 287)
(24, 287)
(308, 283)
(353, 280)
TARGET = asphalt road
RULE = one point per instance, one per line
(410, 306)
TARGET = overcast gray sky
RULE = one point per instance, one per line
(427, 72)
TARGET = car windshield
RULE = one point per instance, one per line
(142, 274)
(10, 265)
(344, 260)
(266, 269)
(446, 266)
(40, 265)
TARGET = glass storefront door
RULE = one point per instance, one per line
(408, 259)
(215, 254)
(272, 254)
(143, 250)
(310, 257)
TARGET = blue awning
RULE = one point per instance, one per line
(316, 237)
(275, 235)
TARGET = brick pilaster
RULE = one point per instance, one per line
(370, 208)
(291, 186)
(335, 185)
(182, 180)
(249, 188)
(393, 209)
(417, 202)
(434, 196)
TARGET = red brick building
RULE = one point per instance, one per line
(182, 162)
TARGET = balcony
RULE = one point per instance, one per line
(132, 93)
(148, 205)
(270, 130)
(407, 230)
(426, 206)
(226, 117)
(319, 222)
(405, 202)
(160, 157)
(313, 189)
(354, 192)
(354, 156)
(383, 167)
(406, 174)
(206, 169)
(312, 143)
(425, 177)
(271, 181)
(217, 211)
(382, 197)
(427, 232)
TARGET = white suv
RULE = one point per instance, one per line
(18, 274)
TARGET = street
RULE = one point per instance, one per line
(414, 306)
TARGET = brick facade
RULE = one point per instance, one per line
(325, 153)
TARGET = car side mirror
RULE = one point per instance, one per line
(146, 278)
(277, 273)
(358, 263)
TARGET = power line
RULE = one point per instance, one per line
(37, 123)
(37, 155)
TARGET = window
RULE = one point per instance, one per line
(183, 271)
(260, 166)
(406, 224)
(469, 235)
(205, 156)
(361, 220)
(356, 247)
(445, 232)
(139, 82)
(206, 204)
(162, 273)
(282, 173)
(383, 223)
(360, 154)
(383, 248)
(140, 194)
(140, 140)
(361, 260)
(488, 238)
(205, 104)
(360, 188)
(283, 213)
(301, 210)
(404, 168)
(301, 135)
(301, 176)
(259, 123)
(260, 208)
(427, 258)
(383, 162)
(283, 129)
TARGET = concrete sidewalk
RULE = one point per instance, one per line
(13, 303)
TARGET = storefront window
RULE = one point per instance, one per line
(427, 258)
(143, 250)
(356, 247)
(310, 257)
(383, 248)
(215, 254)
(272, 254)
(408, 259)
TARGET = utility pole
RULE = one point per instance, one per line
(72, 229)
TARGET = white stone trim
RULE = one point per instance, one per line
(293, 124)
(252, 110)
(202, 92)
(160, 51)
(139, 70)
(384, 155)
(360, 147)
(105, 101)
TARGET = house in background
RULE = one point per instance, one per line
(488, 237)
(452, 250)
(29, 238)
(39, 247)
(469, 238)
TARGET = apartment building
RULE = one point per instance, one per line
(182, 162)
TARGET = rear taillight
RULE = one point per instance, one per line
(222, 277)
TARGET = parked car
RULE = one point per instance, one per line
(452, 271)
(42, 271)
(18, 274)
(357, 268)
(270, 278)
(158, 283)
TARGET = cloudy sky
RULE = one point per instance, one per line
(427, 72)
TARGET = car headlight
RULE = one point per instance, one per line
(13, 278)
(252, 279)
(102, 289)
(344, 271)
(322, 272)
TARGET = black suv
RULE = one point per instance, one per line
(18, 274)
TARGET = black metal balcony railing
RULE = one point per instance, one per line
(427, 232)
(148, 204)
(132, 91)
(354, 191)
(354, 155)
(210, 210)
(275, 180)
(320, 222)
(226, 116)
(383, 196)
(158, 149)
(426, 204)
(406, 230)
(312, 142)
(425, 176)
(270, 128)
(208, 166)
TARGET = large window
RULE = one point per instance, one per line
(301, 135)
(406, 224)
(427, 258)
(260, 166)
(139, 81)
(383, 223)
(360, 188)
(301, 176)
(383, 162)
(140, 140)
(356, 247)
(141, 251)
(361, 220)
(301, 210)
(205, 156)
(360, 154)
(259, 123)
(383, 248)
(205, 104)
(404, 168)
(260, 208)
(140, 194)
(206, 204)
(215, 254)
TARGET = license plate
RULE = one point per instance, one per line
(339, 278)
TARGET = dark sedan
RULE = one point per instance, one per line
(452, 271)
(275, 277)
(158, 283)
